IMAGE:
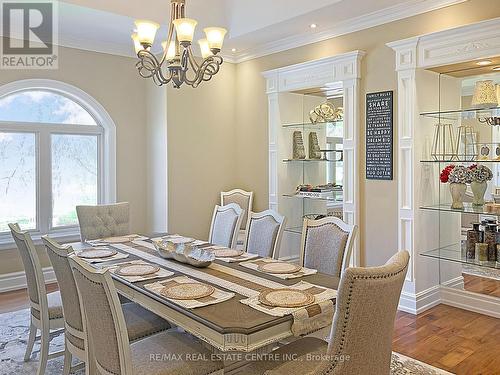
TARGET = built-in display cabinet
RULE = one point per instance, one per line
(314, 144)
(448, 155)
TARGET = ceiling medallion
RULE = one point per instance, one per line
(178, 58)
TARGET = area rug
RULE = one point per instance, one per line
(14, 330)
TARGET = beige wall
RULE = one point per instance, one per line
(201, 150)
(378, 198)
(113, 82)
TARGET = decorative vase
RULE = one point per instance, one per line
(478, 189)
(457, 195)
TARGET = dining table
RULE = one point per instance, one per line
(230, 326)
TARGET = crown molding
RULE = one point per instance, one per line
(380, 17)
(464, 43)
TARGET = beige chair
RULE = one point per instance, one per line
(106, 331)
(363, 324)
(103, 220)
(244, 199)
(264, 233)
(139, 321)
(226, 221)
(327, 245)
(46, 309)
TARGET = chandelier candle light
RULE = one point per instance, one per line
(178, 57)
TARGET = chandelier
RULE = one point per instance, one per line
(177, 63)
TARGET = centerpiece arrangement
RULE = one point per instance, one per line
(459, 176)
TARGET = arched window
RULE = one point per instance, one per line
(56, 151)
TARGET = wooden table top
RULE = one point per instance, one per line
(229, 316)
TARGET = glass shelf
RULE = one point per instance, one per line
(328, 199)
(461, 161)
(311, 161)
(468, 209)
(308, 125)
(453, 253)
(463, 114)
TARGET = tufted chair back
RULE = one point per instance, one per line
(363, 323)
(103, 221)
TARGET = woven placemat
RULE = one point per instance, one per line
(286, 297)
(119, 239)
(187, 291)
(97, 253)
(227, 253)
(279, 267)
(137, 270)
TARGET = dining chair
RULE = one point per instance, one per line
(106, 331)
(264, 233)
(102, 221)
(139, 321)
(327, 245)
(362, 329)
(244, 199)
(46, 313)
(226, 221)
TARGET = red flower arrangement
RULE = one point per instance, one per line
(445, 173)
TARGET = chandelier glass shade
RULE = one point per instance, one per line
(178, 63)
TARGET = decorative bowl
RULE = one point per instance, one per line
(184, 251)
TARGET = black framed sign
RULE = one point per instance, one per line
(379, 135)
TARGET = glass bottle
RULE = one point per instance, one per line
(474, 236)
(481, 253)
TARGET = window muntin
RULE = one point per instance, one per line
(18, 180)
(42, 106)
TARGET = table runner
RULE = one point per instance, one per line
(217, 296)
(246, 284)
(254, 265)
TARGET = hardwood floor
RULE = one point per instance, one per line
(482, 285)
(18, 300)
(455, 340)
(452, 339)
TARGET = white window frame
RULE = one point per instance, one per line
(106, 135)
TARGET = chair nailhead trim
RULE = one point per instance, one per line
(330, 369)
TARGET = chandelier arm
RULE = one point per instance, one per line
(192, 61)
(149, 67)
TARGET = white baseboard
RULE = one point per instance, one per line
(463, 299)
(418, 303)
(17, 280)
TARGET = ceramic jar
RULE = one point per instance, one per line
(481, 253)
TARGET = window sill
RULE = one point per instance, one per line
(61, 236)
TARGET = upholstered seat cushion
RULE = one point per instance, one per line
(55, 306)
(172, 353)
(141, 322)
(300, 357)
(103, 221)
